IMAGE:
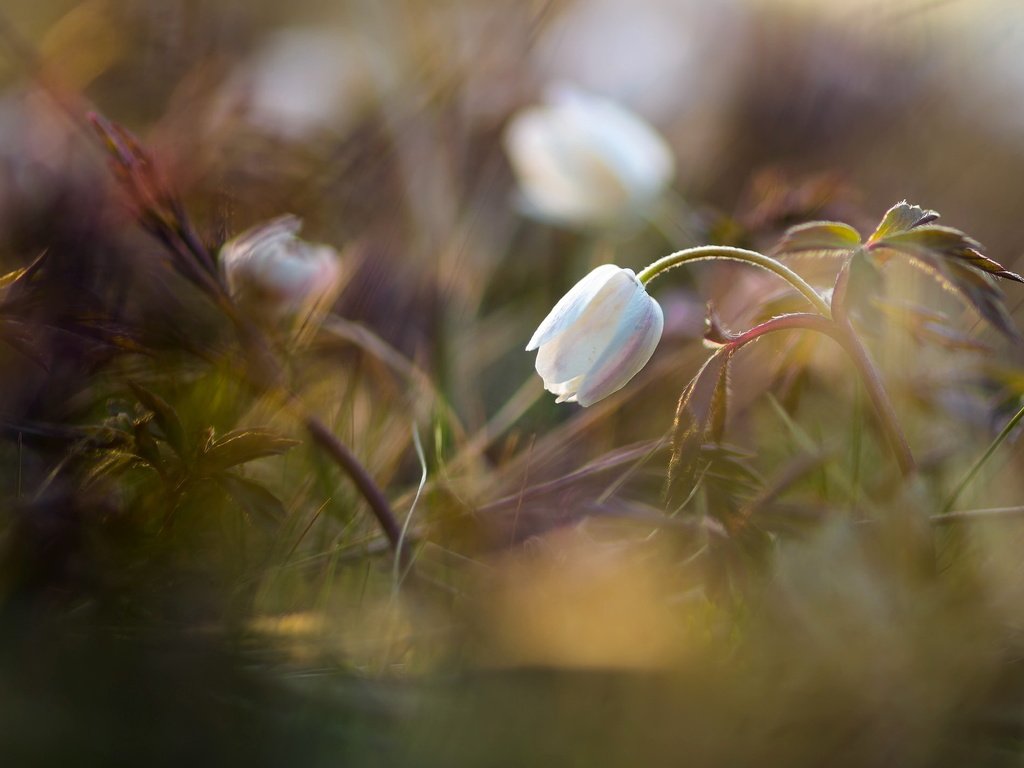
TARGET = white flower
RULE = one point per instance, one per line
(269, 269)
(584, 160)
(598, 336)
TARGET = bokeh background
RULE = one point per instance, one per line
(563, 610)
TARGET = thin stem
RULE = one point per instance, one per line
(865, 367)
(966, 479)
(402, 538)
(847, 336)
(879, 397)
(972, 515)
(366, 485)
(709, 252)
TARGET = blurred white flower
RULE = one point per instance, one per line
(269, 269)
(678, 63)
(583, 160)
(598, 336)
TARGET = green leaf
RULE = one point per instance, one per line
(982, 292)
(900, 218)
(955, 259)
(165, 417)
(256, 499)
(243, 445)
(864, 287)
(819, 236)
(700, 419)
(946, 242)
(932, 239)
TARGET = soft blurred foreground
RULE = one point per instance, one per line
(268, 273)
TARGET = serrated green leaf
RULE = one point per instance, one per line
(255, 498)
(244, 445)
(977, 289)
(955, 259)
(900, 218)
(700, 418)
(864, 286)
(165, 417)
(932, 239)
(983, 293)
(819, 236)
(991, 266)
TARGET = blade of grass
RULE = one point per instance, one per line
(973, 471)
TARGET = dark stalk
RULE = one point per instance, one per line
(366, 485)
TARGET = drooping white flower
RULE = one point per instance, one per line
(598, 336)
(583, 160)
(270, 269)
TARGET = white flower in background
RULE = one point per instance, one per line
(682, 63)
(583, 160)
(270, 269)
(598, 336)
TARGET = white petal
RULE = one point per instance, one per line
(584, 159)
(240, 257)
(566, 390)
(572, 304)
(637, 155)
(575, 351)
(637, 338)
(281, 228)
(271, 268)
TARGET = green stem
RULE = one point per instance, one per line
(856, 351)
(708, 252)
(966, 480)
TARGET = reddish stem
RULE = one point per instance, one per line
(842, 333)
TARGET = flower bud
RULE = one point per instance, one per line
(598, 336)
(583, 160)
(269, 269)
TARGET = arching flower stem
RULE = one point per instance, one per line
(709, 252)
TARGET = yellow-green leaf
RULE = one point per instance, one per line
(819, 236)
(902, 217)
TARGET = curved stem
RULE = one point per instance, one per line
(966, 479)
(861, 360)
(709, 252)
(366, 485)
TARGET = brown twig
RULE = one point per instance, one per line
(362, 479)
